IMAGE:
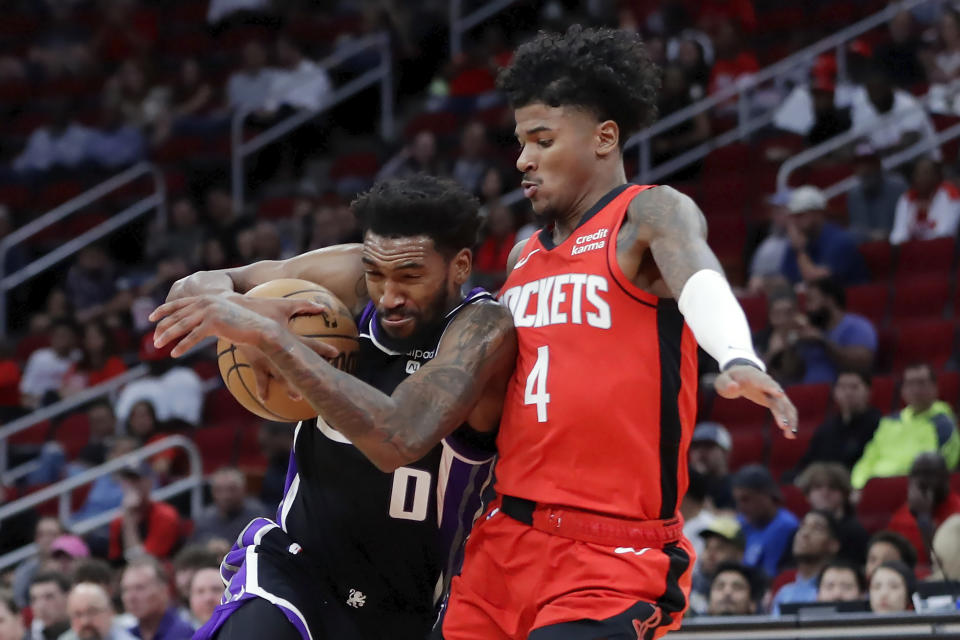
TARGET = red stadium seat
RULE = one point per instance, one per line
(948, 386)
(794, 500)
(811, 401)
(217, 445)
(738, 414)
(880, 498)
(869, 300)
(879, 258)
(220, 406)
(749, 447)
(886, 348)
(441, 123)
(359, 165)
(929, 341)
(249, 454)
(955, 481)
(36, 434)
(784, 453)
(755, 308)
(73, 433)
(882, 390)
(923, 257)
(276, 208)
(732, 158)
(924, 297)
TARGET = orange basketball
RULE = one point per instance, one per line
(335, 327)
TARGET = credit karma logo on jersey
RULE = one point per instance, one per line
(590, 242)
(569, 298)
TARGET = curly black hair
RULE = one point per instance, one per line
(605, 71)
(438, 208)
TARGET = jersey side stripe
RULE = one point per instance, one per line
(669, 334)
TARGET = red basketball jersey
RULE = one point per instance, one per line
(601, 407)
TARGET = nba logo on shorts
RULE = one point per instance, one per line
(412, 366)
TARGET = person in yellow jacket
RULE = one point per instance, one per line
(925, 424)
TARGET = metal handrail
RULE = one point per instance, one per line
(64, 406)
(157, 199)
(61, 490)
(461, 24)
(382, 73)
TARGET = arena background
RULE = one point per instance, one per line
(142, 140)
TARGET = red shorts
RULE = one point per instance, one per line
(518, 582)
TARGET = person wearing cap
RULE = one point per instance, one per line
(842, 436)
(145, 527)
(66, 551)
(872, 202)
(816, 542)
(736, 590)
(830, 337)
(709, 454)
(891, 588)
(723, 543)
(174, 390)
(767, 526)
(925, 424)
(929, 209)
(696, 515)
(818, 248)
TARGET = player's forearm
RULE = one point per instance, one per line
(386, 430)
(200, 283)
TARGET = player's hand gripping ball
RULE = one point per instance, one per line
(334, 327)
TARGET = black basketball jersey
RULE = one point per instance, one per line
(386, 541)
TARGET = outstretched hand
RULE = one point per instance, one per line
(742, 381)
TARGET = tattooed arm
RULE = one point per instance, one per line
(478, 347)
(337, 268)
(671, 226)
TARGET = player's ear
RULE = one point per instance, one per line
(461, 265)
(608, 138)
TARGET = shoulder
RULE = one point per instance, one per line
(665, 210)
(515, 253)
(944, 426)
(950, 190)
(483, 319)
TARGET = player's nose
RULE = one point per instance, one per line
(393, 296)
(526, 161)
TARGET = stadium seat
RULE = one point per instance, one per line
(880, 498)
(749, 446)
(784, 453)
(948, 387)
(929, 341)
(220, 406)
(73, 433)
(811, 401)
(249, 454)
(879, 258)
(886, 347)
(794, 500)
(739, 414)
(869, 300)
(441, 123)
(923, 257)
(784, 577)
(882, 390)
(217, 445)
(273, 208)
(923, 297)
(955, 481)
(755, 308)
(355, 165)
(34, 435)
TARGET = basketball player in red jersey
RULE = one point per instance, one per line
(610, 300)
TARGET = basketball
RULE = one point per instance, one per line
(335, 328)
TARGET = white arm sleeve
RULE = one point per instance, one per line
(716, 319)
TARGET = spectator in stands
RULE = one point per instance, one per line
(115, 144)
(767, 258)
(842, 437)
(191, 559)
(832, 338)
(192, 96)
(841, 581)
(145, 527)
(213, 255)
(124, 32)
(925, 424)
(9, 382)
(767, 526)
(930, 501)
(696, 516)
(223, 219)
(829, 120)
(47, 530)
(872, 203)
(890, 119)
(946, 549)
(11, 621)
(48, 602)
(943, 64)
(275, 440)
(45, 370)
(930, 209)
(818, 248)
(91, 283)
(471, 165)
(266, 242)
(91, 615)
(887, 546)
(206, 588)
(709, 455)
(816, 542)
(221, 10)
(420, 156)
(61, 144)
(827, 488)
(61, 47)
(891, 588)
(676, 94)
(900, 55)
(96, 571)
(249, 86)
(732, 62)
(143, 105)
(174, 391)
(182, 238)
(297, 82)
(736, 590)
(106, 493)
(98, 361)
(723, 543)
(231, 509)
(490, 258)
(147, 598)
(779, 342)
(692, 60)
(65, 552)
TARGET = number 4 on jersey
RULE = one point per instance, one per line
(536, 391)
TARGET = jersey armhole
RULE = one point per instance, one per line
(613, 266)
(472, 446)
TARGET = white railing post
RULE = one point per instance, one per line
(455, 33)
(387, 121)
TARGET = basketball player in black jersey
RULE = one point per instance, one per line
(360, 549)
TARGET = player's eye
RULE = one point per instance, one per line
(544, 143)
(374, 274)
